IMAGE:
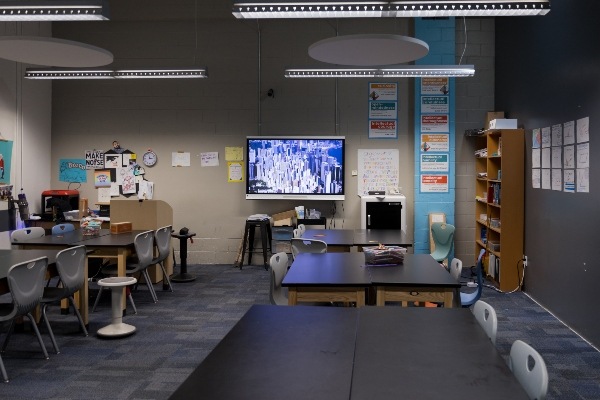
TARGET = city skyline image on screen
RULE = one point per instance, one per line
(295, 168)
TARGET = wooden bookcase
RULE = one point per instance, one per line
(499, 205)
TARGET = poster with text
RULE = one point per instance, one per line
(72, 170)
(434, 183)
(235, 171)
(383, 91)
(435, 142)
(437, 86)
(383, 129)
(378, 169)
(383, 110)
(94, 159)
(434, 163)
(435, 123)
(569, 180)
(435, 105)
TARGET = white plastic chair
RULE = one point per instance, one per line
(485, 314)
(22, 235)
(302, 229)
(529, 368)
(297, 233)
(300, 245)
(279, 266)
(456, 269)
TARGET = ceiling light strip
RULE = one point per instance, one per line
(29, 10)
(306, 9)
(34, 73)
(369, 9)
(160, 73)
(468, 8)
(391, 72)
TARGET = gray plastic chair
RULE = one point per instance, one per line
(22, 235)
(300, 245)
(62, 228)
(70, 264)
(297, 233)
(279, 267)
(144, 249)
(529, 368)
(162, 237)
(485, 314)
(26, 285)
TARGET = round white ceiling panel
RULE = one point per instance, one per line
(368, 50)
(52, 52)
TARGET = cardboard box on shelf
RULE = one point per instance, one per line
(285, 218)
(491, 115)
(503, 123)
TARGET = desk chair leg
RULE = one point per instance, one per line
(149, 284)
(4, 374)
(97, 298)
(166, 276)
(37, 333)
(52, 338)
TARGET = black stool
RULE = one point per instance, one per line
(183, 275)
(265, 235)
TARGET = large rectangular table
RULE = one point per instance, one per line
(327, 277)
(102, 245)
(343, 239)
(419, 278)
(332, 353)
(344, 277)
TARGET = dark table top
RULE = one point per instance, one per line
(330, 353)
(279, 353)
(328, 269)
(359, 237)
(417, 353)
(62, 239)
(118, 240)
(373, 237)
(416, 270)
(8, 258)
(333, 237)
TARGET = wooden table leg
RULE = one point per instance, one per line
(292, 296)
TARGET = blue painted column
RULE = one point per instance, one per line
(439, 34)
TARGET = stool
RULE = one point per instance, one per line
(117, 328)
(248, 243)
(183, 275)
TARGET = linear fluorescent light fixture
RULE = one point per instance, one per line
(161, 73)
(253, 9)
(457, 8)
(411, 71)
(53, 10)
(310, 9)
(55, 73)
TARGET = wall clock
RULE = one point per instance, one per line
(149, 158)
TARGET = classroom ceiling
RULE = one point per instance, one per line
(169, 10)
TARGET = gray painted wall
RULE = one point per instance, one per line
(207, 115)
(547, 73)
(25, 118)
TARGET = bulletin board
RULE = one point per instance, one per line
(378, 169)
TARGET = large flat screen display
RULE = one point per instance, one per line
(310, 167)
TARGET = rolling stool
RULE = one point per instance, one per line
(265, 234)
(117, 328)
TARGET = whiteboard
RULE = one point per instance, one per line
(378, 169)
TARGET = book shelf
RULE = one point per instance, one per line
(499, 205)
